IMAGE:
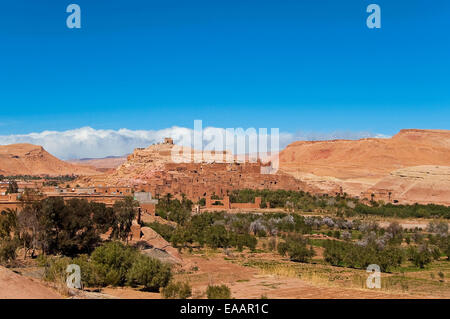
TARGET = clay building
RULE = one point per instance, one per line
(226, 204)
(168, 140)
(147, 205)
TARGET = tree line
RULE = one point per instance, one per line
(55, 226)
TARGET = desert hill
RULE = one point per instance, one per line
(370, 158)
(359, 165)
(103, 164)
(28, 159)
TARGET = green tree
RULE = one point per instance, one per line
(8, 249)
(124, 214)
(216, 236)
(102, 216)
(421, 256)
(296, 248)
(112, 262)
(8, 223)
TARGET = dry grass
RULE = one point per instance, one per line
(414, 282)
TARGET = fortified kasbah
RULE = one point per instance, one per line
(153, 170)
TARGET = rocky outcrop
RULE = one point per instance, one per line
(159, 247)
(419, 184)
(15, 286)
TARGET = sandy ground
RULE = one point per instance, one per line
(15, 286)
(291, 288)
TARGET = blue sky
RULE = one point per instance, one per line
(296, 65)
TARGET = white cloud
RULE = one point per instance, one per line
(87, 142)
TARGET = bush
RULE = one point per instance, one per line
(90, 276)
(436, 253)
(112, 262)
(296, 248)
(150, 273)
(8, 251)
(420, 256)
(241, 240)
(346, 235)
(217, 236)
(177, 290)
(55, 269)
(218, 292)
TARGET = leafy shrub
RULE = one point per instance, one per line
(421, 256)
(149, 272)
(90, 276)
(177, 290)
(55, 269)
(112, 262)
(217, 236)
(241, 240)
(436, 253)
(218, 292)
(8, 251)
(8, 223)
(346, 235)
(296, 248)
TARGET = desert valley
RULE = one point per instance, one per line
(211, 229)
